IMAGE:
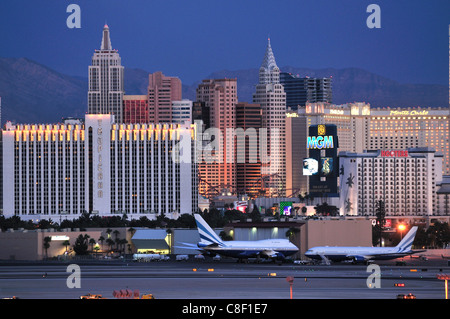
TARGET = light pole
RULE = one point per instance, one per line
(444, 277)
(290, 280)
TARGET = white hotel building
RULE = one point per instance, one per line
(405, 180)
(58, 171)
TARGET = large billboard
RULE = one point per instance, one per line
(322, 143)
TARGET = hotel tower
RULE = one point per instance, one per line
(217, 169)
(271, 97)
(105, 95)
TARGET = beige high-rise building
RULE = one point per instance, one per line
(162, 91)
(217, 169)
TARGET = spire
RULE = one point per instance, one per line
(106, 41)
(269, 71)
(269, 59)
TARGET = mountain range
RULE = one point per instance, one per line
(34, 93)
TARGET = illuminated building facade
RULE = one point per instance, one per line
(361, 127)
(248, 166)
(105, 168)
(412, 127)
(217, 169)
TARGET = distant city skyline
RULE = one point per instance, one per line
(191, 39)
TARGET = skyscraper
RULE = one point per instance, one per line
(299, 90)
(217, 171)
(162, 91)
(248, 165)
(272, 98)
(106, 89)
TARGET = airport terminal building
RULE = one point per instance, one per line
(59, 171)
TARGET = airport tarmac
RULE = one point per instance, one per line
(224, 280)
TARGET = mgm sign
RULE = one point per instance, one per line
(322, 144)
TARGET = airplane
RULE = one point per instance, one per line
(211, 244)
(364, 254)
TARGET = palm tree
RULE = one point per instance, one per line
(110, 242)
(47, 241)
(65, 244)
(101, 239)
(96, 249)
(116, 233)
(92, 243)
(123, 242)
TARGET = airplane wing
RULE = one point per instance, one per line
(202, 248)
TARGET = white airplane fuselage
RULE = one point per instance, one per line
(357, 253)
(247, 249)
(365, 253)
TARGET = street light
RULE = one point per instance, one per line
(401, 228)
(444, 277)
(290, 280)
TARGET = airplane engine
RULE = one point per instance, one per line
(358, 259)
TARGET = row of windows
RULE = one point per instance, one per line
(47, 184)
(150, 181)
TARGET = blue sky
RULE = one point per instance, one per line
(193, 38)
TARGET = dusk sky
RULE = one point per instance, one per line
(191, 39)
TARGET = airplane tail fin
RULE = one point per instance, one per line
(207, 235)
(407, 241)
